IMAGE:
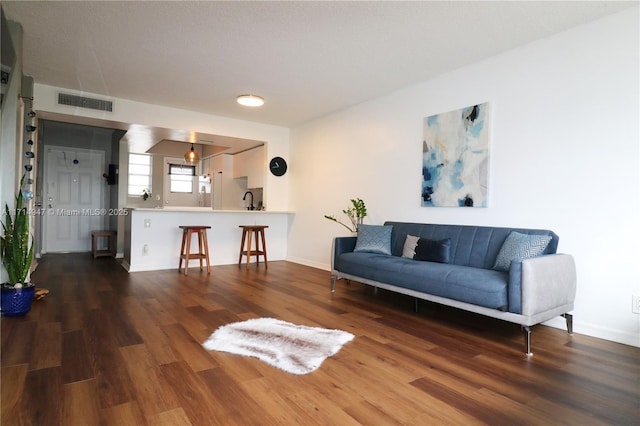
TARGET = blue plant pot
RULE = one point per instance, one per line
(17, 301)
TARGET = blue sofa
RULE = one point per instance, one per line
(530, 291)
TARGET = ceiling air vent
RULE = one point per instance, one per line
(84, 102)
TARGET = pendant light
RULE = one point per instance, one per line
(191, 156)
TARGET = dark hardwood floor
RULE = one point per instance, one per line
(110, 348)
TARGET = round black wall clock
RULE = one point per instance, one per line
(278, 166)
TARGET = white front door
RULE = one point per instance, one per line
(73, 198)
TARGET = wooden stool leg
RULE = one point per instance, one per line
(244, 234)
(257, 250)
(249, 250)
(184, 240)
(264, 249)
(200, 250)
(188, 252)
(206, 250)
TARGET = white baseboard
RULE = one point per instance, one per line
(598, 331)
(306, 262)
(126, 265)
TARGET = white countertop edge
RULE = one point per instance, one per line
(202, 210)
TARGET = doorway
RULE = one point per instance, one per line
(73, 198)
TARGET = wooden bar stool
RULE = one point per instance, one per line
(203, 247)
(247, 232)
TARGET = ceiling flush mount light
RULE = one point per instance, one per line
(250, 100)
(191, 156)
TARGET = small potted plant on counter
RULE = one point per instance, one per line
(17, 254)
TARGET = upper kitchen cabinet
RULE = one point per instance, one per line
(250, 164)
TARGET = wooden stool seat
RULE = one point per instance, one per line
(185, 249)
(111, 243)
(247, 232)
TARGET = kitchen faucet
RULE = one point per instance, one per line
(251, 206)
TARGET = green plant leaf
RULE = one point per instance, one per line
(17, 253)
(355, 214)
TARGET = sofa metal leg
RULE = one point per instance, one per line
(416, 305)
(333, 283)
(569, 319)
(527, 339)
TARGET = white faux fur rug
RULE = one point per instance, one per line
(296, 349)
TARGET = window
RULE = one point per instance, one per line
(139, 173)
(181, 178)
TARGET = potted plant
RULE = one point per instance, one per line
(356, 214)
(17, 254)
(146, 194)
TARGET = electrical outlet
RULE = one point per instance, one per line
(145, 250)
(635, 307)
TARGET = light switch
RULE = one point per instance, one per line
(147, 223)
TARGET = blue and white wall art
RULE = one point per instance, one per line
(455, 158)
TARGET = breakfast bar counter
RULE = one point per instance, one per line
(152, 236)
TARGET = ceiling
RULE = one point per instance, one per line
(306, 58)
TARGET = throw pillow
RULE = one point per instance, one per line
(409, 248)
(374, 239)
(520, 246)
(433, 250)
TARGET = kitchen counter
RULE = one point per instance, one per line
(152, 236)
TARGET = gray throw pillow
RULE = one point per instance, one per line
(409, 248)
(520, 246)
(374, 239)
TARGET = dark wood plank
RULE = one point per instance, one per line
(21, 338)
(76, 363)
(114, 384)
(40, 403)
(199, 404)
(153, 393)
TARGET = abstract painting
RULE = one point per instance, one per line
(455, 158)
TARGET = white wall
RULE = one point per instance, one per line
(564, 156)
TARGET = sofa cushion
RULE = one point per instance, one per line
(374, 239)
(483, 287)
(520, 246)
